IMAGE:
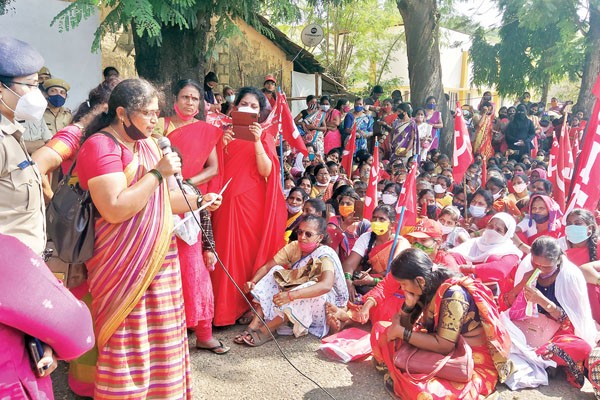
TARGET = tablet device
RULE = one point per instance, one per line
(241, 125)
(359, 208)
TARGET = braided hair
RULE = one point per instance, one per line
(588, 218)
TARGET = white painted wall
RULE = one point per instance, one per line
(68, 55)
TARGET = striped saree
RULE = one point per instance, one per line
(137, 303)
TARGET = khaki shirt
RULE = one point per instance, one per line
(22, 212)
(57, 122)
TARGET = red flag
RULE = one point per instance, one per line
(289, 131)
(586, 190)
(408, 199)
(348, 155)
(463, 153)
(371, 197)
(560, 168)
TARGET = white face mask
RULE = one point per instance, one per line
(497, 195)
(447, 229)
(30, 107)
(333, 178)
(491, 237)
(230, 99)
(293, 209)
(286, 192)
(520, 188)
(389, 199)
(325, 107)
(247, 109)
(439, 189)
(477, 211)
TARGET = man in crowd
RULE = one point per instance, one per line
(22, 212)
(270, 90)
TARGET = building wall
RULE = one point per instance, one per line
(68, 55)
(245, 60)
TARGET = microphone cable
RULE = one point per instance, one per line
(214, 250)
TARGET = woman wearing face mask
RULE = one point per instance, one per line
(454, 234)
(133, 278)
(390, 193)
(433, 118)
(195, 139)
(334, 171)
(323, 187)
(448, 308)
(344, 227)
(441, 187)
(483, 135)
(424, 132)
(493, 256)
(229, 95)
(581, 247)
(519, 133)
(364, 125)
(518, 199)
(294, 203)
(253, 205)
(312, 122)
(333, 119)
(295, 285)
(544, 219)
(384, 122)
(427, 236)
(426, 204)
(480, 210)
(561, 331)
(402, 138)
(497, 186)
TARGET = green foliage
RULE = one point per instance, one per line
(5, 6)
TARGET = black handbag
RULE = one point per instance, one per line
(70, 219)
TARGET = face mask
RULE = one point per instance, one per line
(520, 188)
(312, 106)
(346, 109)
(539, 218)
(57, 100)
(287, 153)
(502, 116)
(477, 211)
(379, 228)
(439, 189)
(311, 156)
(540, 158)
(447, 229)
(491, 237)
(182, 116)
(497, 195)
(577, 233)
(346, 210)
(431, 106)
(460, 207)
(247, 109)
(322, 184)
(133, 132)
(293, 209)
(333, 178)
(431, 210)
(487, 98)
(30, 107)
(359, 108)
(507, 176)
(425, 249)
(307, 247)
(467, 114)
(325, 107)
(401, 115)
(286, 193)
(389, 199)
(230, 99)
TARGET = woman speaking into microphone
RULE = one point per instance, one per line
(133, 274)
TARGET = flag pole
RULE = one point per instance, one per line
(282, 161)
(396, 237)
(465, 191)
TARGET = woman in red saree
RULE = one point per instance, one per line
(439, 308)
(133, 274)
(249, 227)
(544, 219)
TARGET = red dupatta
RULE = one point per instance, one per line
(128, 255)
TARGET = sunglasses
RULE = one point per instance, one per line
(308, 234)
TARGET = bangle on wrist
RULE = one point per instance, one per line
(348, 275)
(290, 296)
(377, 280)
(407, 334)
(199, 201)
(157, 174)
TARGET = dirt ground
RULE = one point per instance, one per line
(262, 373)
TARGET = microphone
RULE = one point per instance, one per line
(165, 145)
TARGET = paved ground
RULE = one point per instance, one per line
(262, 373)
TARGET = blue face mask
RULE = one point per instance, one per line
(311, 156)
(577, 233)
(358, 108)
(431, 106)
(56, 100)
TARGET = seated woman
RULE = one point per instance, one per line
(453, 234)
(344, 227)
(561, 331)
(480, 210)
(367, 263)
(323, 187)
(295, 285)
(544, 219)
(518, 199)
(493, 256)
(448, 308)
(581, 247)
(294, 203)
(426, 204)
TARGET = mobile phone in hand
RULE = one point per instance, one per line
(36, 352)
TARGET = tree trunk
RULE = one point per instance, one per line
(591, 67)
(421, 27)
(545, 88)
(180, 56)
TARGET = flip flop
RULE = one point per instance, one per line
(220, 349)
(239, 339)
(258, 338)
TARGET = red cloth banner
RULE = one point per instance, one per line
(371, 196)
(289, 131)
(586, 190)
(560, 167)
(349, 152)
(408, 199)
(463, 152)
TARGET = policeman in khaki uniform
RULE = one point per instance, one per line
(22, 213)
(57, 116)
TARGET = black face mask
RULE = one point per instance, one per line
(401, 115)
(133, 131)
